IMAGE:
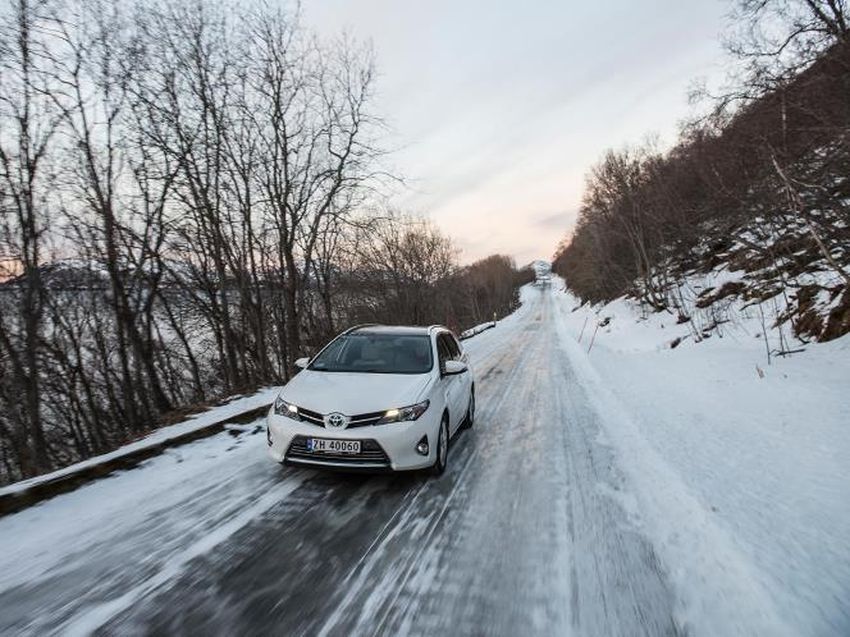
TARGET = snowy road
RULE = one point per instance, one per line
(532, 530)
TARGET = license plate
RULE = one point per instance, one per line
(323, 445)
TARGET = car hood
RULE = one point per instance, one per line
(354, 393)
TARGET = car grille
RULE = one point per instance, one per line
(313, 417)
(360, 420)
(371, 453)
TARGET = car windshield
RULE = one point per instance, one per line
(376, 354)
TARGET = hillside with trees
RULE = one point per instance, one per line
(190, 199)
(751, 208)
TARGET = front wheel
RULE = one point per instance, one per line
(439, 466)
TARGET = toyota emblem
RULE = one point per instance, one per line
(336, 421)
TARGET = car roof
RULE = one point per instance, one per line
(400, 330)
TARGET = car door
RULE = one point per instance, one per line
(466, 378)
(453, 384)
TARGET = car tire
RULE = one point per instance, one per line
(439, 466)
(469, 420)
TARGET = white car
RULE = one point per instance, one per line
(377, 397)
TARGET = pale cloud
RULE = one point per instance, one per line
(499, 109)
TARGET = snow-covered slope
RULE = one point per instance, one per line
(763, 448)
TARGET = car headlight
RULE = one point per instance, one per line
(404, 414)
(283, 408)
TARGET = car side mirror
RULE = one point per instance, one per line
(302, 363)
(452, 368)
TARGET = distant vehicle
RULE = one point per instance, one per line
(377, 397)
(543, 281)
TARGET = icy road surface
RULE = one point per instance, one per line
(539, 526)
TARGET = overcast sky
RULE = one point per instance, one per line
(500, 108)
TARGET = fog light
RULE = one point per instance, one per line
(422, 446)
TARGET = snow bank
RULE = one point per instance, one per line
(472, 331)
(741, 466)
(158, 438)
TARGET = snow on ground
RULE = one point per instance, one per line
(763, 449)
(234, 407)
(667, 480)
(112, 541)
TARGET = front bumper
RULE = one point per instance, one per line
(389, 447)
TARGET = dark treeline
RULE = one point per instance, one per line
(406, 270)
(767, 168)
(182, 197)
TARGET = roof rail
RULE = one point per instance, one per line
(357, 327)
(437, 326)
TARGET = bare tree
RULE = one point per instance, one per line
(94, 73)
(28, 122)
(317, 155)
(188, 203)
(773, 40)
(759, 186)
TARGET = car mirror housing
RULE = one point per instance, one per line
(302, 362)
(453, 368)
